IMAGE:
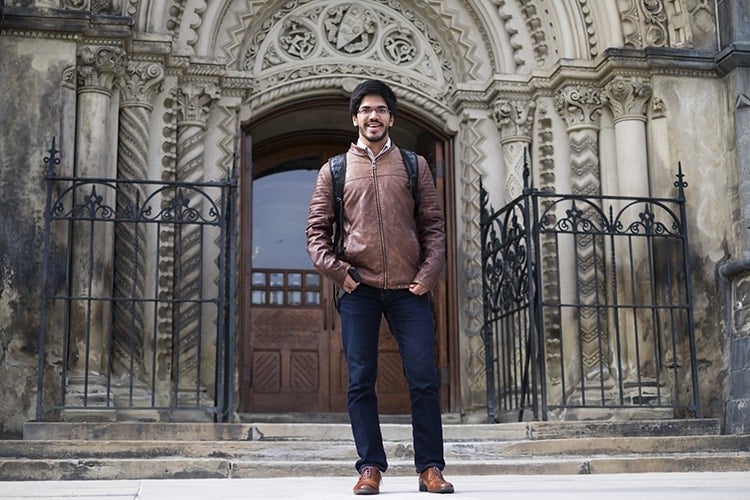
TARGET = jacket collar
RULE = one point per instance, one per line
(368, 151)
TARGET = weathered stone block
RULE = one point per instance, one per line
(738, 417)
(740, 354)
(739, 384)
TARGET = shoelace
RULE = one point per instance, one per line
(367, 473)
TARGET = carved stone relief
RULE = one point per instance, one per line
(326, 32)
(667, 23)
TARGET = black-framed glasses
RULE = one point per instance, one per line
(380, 110)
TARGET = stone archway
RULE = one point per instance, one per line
(470, 60)
(290, 74)
(440, 57)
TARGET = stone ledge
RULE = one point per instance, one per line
(132, 431)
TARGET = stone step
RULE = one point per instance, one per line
(162, 431)
(59, 451)
(300, 451)
(83, 468)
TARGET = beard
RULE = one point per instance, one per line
(374, 136)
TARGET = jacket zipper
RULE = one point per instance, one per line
(380, 222)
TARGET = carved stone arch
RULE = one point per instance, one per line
(499, 37)
(504, 37)
(450, 26)
(310, 46)
(155, 16)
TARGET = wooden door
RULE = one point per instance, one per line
(289, 345)
(291, 353)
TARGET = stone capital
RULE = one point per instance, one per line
(194, 101)
(140, 84)
(580, 106)
(98, 67)
(628, 97)
(514, 119)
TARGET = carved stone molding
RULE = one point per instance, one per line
(99, 67)
(322, 33)
(473, 367)
(69, 77)
(658, 108)
(580, 106)
(514, 119)
(665, 23)
(194, 102)
(141, 83)
(628, 97)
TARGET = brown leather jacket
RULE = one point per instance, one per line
(384, 240)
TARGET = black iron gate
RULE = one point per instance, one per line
(138, 297)
(587, 305)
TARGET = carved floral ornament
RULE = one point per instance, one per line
(628, 97)
(579, 105)
(515, 118)
(98, 67)
(325, 31)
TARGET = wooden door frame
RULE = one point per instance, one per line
(283, 146)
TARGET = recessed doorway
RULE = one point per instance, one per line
(291, 359)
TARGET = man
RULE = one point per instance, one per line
(392, 256)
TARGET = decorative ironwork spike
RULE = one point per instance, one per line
(52, 160)
(680, 183)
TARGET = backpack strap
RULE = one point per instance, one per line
(337, 164)
(412, 170)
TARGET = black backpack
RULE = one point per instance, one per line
(338, 174)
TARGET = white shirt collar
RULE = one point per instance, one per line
(372, 155)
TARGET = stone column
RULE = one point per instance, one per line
(734, 64)
(138, 87)
(580, 107)
(98, 67)
(194, 102)
(628, 99)
(515, 119)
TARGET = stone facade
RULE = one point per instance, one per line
(607, 96)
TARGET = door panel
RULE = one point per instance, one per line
(289, 345)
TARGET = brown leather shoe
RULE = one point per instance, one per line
(432, 480)
(369, 481)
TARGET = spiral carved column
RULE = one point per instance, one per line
(139, 86)
(194, 102)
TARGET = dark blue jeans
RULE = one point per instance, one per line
(410, 319)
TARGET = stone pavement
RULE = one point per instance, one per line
(661, 486)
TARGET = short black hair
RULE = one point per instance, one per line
(370, 87)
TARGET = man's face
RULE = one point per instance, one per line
(373, 120)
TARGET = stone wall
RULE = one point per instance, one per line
(734, 64)
(35, 106)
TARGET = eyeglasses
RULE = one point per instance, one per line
(380, 110)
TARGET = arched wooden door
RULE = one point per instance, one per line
(290, 346)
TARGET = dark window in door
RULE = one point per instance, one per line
(280, 206)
